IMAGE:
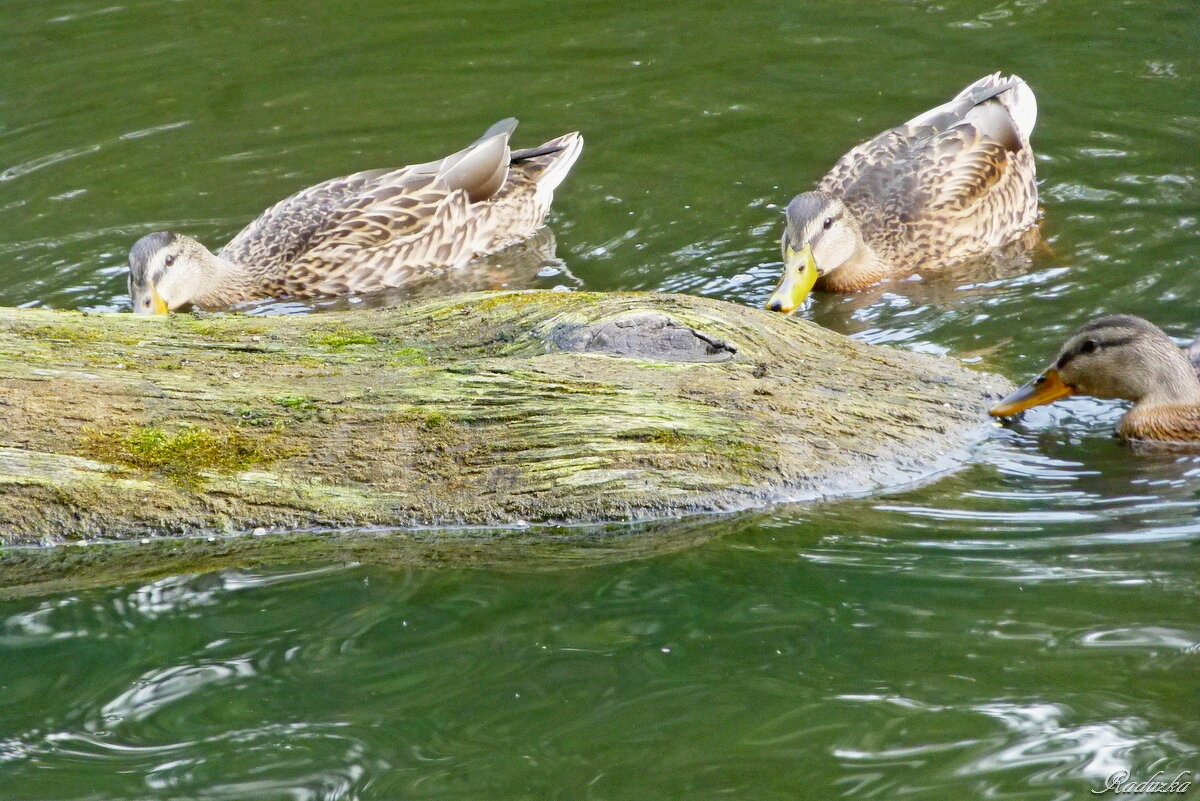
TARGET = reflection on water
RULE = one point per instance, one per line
(1020, 629)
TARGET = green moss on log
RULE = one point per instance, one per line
(182, 454)
(341, 338)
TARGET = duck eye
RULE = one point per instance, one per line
(169, 260)
(1088, 347)
(828, 223)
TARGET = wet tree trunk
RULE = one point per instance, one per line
(475, 409)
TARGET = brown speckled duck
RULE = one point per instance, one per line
(947, 186)
(363, 232)
(1125, 357)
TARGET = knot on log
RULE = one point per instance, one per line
(652, 336)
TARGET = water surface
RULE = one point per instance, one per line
(1019, 630)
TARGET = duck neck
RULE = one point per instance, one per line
(224, 282)
(864, 267)
(1173, 383)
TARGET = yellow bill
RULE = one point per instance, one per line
(1046, 388)
(158, 304)
(799, 275)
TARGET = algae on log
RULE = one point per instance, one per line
(488, 408)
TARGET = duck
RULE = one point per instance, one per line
(948, 186)
(1126, 357)
(372, 230)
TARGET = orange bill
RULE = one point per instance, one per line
(1046, 388)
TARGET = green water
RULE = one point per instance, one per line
(1019, 630)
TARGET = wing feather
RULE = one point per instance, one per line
(375, 229)
(963, 167)
(401, 210)
(919, 190)
(282, 232)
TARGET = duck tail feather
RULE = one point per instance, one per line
(530, 153)
(548, 163)
(973, 104)
(1011, 92)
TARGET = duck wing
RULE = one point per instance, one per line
(281, 233)
(956, 171)
(1001, 109)
(331, 230)
(425, 229)
(957, 179)
(971, 193)
(993, 102)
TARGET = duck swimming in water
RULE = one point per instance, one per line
(947, 186)
(363, 232)
(1124, 357)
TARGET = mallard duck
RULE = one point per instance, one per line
(947, 186)
(1125, 357)
(363, 232)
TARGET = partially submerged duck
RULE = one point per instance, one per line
(947, 186)
(1124, 357)
(368, 231)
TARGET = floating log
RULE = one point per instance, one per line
(481, 409)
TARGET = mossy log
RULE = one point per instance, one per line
(480, 409)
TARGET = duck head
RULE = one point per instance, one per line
(1119, 356)
(820, 236)
(168, 271)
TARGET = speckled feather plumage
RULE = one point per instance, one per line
(938, 190)
(381, 228)
(1174, 423)
(1179, 423)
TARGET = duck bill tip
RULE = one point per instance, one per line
(1046, 388)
